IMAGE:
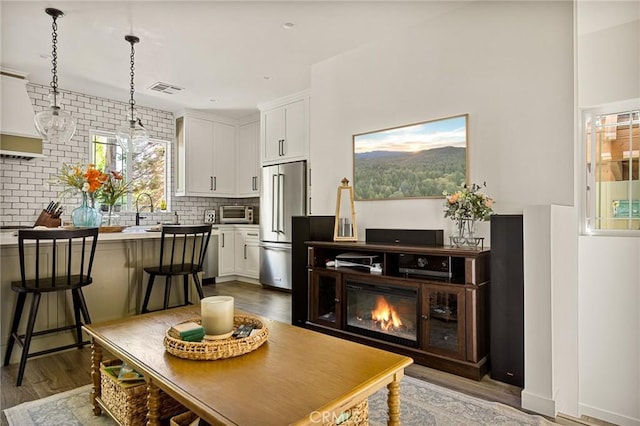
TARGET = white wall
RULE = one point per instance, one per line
(608, 59)
(507, 64)
(610, 328)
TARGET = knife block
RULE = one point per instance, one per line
(45, 219)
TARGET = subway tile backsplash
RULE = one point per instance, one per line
(25, 187)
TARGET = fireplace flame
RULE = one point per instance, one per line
(385, 314)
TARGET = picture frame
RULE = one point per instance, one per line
(418, 160)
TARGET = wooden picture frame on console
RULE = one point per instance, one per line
(419, 160)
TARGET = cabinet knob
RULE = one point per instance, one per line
(336, 300)
(425, 317)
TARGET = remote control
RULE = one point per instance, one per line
(243, 331)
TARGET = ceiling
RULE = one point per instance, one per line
(235, 53)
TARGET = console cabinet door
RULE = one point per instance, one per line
(443, 320)
(325, 304)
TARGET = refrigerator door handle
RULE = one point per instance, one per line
(274, 205)
(281, 205)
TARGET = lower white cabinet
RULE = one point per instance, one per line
(226, 252)
(247, 253)
(238, 251)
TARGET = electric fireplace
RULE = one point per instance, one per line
(381, 312)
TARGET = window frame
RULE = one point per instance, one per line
(129, 172)
(588, 176)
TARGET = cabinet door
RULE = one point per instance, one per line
(240, 252)
(199, 138)
(295, 131)
(226, 253)
(272, 134)
(224, 159)
(247, 160)
(443, 320)
(252, 254)
(325, 302)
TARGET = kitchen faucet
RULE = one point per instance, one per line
(138, 217)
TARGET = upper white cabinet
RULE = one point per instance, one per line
(285, 130)
(247, 175)
(224, 159)
(206, 157)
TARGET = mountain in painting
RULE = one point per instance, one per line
(394, 174)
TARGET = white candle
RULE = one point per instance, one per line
(217, 315)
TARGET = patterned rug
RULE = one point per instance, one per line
(422, 404)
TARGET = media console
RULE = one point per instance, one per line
(429, 303)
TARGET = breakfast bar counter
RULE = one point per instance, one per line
(116, 291)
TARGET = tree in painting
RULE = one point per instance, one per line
(414, 161)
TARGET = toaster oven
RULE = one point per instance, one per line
(236, 214)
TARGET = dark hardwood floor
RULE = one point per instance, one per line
(63, 371)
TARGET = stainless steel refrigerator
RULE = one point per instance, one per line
(284, 195)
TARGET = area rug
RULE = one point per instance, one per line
(422, 404)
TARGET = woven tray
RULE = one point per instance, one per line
(218, 349)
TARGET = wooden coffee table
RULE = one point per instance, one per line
(297, 377)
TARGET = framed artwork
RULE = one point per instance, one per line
(419, 160)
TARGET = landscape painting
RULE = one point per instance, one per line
(418, 160)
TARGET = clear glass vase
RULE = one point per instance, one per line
(85, 216)
(465, 233)
(111, 217)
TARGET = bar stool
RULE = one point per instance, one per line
(182, 253)
(47, 257)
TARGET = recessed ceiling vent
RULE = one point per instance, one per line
(167, 88)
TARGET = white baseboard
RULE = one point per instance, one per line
(538, 404)
(607, 416)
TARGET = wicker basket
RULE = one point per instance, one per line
(127, 401)
(218, 349)
(358, 415)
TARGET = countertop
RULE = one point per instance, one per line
(8, 239)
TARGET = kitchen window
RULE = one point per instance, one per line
(612, 147)
(145, 165)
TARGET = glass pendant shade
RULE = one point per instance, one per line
(55, 125)
(132, 132)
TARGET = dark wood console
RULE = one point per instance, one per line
(429, 303)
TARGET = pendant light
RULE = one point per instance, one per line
(133, 131)
(54, 124)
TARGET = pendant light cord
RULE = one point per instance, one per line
(132, 102)
(54, 60)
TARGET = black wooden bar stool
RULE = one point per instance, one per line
(182, 253)
(59, 260)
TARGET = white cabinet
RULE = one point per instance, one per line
(285, 132)
(247, 252)
(206, 157)
(226, 252)
(224, 160)
(248, 164)
(238, 251)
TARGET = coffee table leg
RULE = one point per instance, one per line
(153, 405)
(96, 359)
(393, 401)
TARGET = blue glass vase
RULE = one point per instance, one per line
(85, 216)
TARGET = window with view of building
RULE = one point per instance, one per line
(612, 137)
(145, 166)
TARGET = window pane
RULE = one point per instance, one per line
(144, 165)
(616, 140)
(149, 172)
